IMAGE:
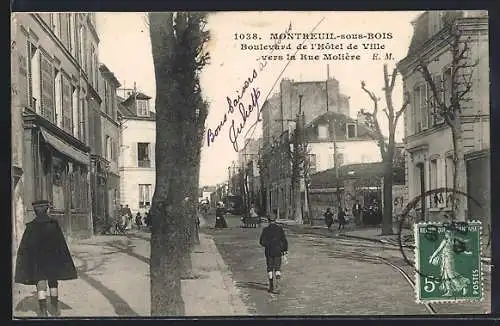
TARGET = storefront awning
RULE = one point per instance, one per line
(65, 148)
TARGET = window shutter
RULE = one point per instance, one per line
(425, 106)
(64, 17)
(47, 79)
(153, 152)
(67, 104)
(133, 154)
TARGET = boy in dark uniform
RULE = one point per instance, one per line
(274, 241)
(43, 257)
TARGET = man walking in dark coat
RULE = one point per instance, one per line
(43, 257)
(328, 218)
(274, 241)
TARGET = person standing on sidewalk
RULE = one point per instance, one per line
(328, 218)
(43, 257)
(274, 241)
(341, 218)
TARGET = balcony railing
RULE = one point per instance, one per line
(144, 163)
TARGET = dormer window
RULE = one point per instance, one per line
(322, 131)
(351, 130)
(142, 108)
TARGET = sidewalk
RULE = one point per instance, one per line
(113, 281)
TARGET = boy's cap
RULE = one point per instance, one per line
(42, 202)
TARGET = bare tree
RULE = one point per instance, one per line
(387, 148)
(178, 57)
(448, 103)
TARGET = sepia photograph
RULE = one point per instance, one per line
(265, 163)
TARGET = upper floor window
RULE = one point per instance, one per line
(322, 131)
(143, 108)
(143, 155)
(420, 110)
(351, 130)
(55, 23)
(447, 85)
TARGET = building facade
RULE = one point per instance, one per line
(105, 134)
(279, 114)
(137, 151)
(54, 81)
(428, 138)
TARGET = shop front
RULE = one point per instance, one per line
(57, 169)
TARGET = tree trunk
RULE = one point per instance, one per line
(459, 203)
(387, 200)
(171, 177)
(387, 191)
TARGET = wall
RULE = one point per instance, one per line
(111, 129)
(435, 142)
(133, 132)
(365, 151)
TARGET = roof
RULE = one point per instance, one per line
(109, 74)
(125, 111)
(368, 174)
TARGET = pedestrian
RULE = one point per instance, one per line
(356, 212)
(273, 239)
(341, 218)
(138, 220)
(147, 219)
(128, 218)
(328, 218)
(43, 258)
(220, 221)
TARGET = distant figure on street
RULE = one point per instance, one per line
(341, 218)
(138, 220)
(43, 258)
(147, 219)
(129, 217)
(328, 218)
(356, 212)
(220, 221)
(274, 241)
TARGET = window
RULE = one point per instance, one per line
(436, 117)
(58, 98)
(73, 35)
(55, 23)
(107, 146)
(69, 32)
(312, 163)
(144, 196)
(322, 131)
(106, 104)
(420, 107)
(143, 157)
(81, 53)
(75, 125)
(142, 108)
(91, 70)
(447, 85)
(67, 104)
(351, 130)
(47, 76)
(82, 135)
(34, 91)
(433, 178)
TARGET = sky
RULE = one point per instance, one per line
(126, 49)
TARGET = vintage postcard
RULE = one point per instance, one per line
(250, 163)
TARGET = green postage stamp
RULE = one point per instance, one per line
(448, 262)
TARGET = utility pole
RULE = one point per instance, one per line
(335, 149)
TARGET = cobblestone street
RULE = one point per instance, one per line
(325, 275)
